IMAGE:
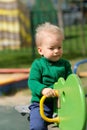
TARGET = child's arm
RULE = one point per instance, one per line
(35, 79)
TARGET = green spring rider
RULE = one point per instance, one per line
(69, 105)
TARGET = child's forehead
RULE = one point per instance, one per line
(49, 37)
(51, 41)
(49, 34)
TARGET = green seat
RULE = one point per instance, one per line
(72, 106)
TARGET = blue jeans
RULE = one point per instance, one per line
(36, 122)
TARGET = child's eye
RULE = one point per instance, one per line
(59, 47)
(51, 48)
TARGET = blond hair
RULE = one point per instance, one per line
(47, 28)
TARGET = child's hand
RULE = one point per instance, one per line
(49, 92)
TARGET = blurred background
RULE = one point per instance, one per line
(18, 21)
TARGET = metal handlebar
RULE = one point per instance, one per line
(56, 119)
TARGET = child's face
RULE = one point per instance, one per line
(51, 47)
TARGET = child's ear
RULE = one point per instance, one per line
(40, 50)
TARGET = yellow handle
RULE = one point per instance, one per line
(55, 120)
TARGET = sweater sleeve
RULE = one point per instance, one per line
(68, 69)
(34, 81)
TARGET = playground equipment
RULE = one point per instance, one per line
(81, 74)
(70, 108)
(12, 79)
(76, 66)
(69, 105)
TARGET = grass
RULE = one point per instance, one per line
(75, 39)
(16, 59)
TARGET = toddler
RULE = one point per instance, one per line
(45, 71)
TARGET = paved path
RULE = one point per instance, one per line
(10, 119)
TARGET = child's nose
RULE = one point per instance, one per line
(56, 50)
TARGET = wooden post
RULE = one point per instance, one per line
(60, 15)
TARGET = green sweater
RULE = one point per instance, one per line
(45, 73)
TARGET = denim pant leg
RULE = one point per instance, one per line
(36, 122)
